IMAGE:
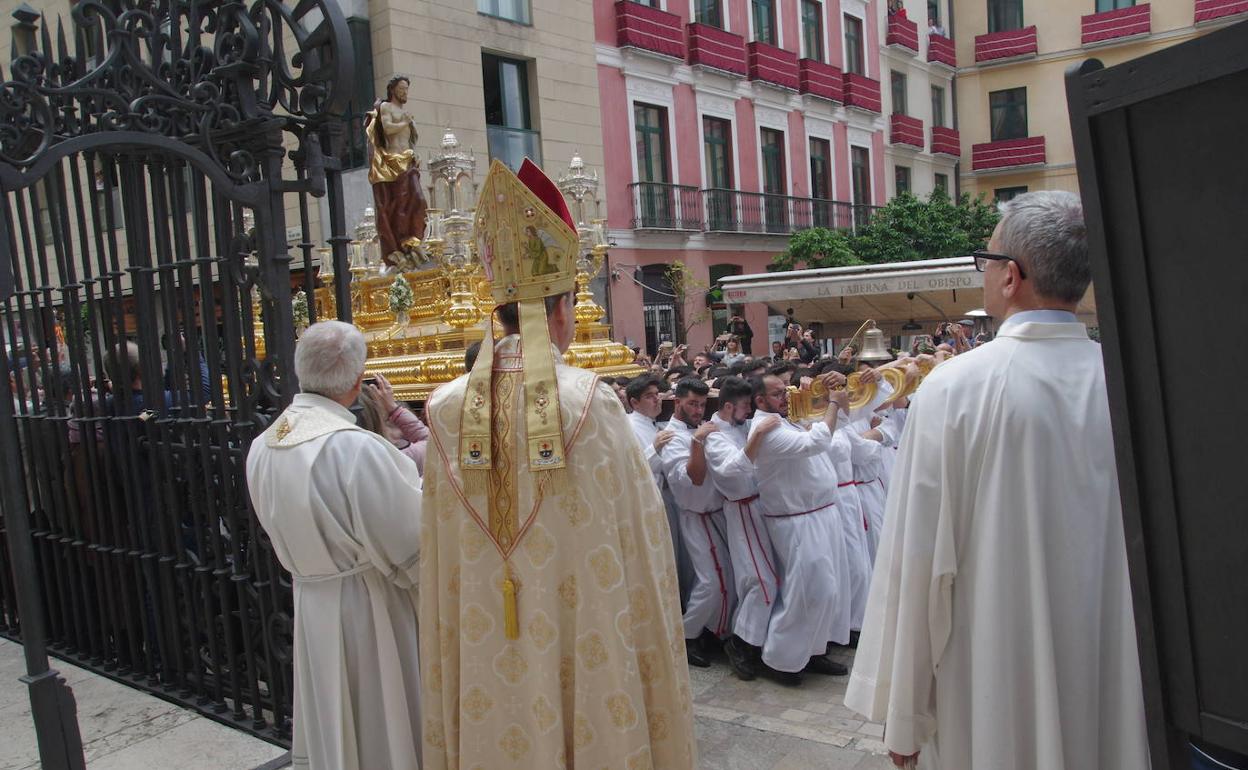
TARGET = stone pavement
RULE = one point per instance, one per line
(122, 728)
(757, 725)
(761, 725)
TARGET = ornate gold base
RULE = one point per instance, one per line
(428, 352)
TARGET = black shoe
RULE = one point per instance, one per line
(822, 664)
(696, 654)
(786, 678)
(740, 658)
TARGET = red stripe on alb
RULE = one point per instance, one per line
(719, 570)
(742, 507)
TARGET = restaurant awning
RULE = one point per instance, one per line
(841, 298)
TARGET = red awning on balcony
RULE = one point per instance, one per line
(862, 92)
(905, 129)
(1123, 22)
(1208, 10)
(713, 47)
(945, 141)
(1008, 153)
(902, 32)
(941, 51)
(772, 65)
(1005, 45)
(819, 79)
(650, 29)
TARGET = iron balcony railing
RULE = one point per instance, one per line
(660, 206)
(745, 212)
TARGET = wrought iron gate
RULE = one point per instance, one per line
(148, 162)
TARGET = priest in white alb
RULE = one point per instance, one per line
(341, 506)
(999, 630)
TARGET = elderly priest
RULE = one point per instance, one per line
(342, 507)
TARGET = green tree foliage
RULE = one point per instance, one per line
(907, 229)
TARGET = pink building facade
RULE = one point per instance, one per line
(728, 125)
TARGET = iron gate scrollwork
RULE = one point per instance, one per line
(149, 155)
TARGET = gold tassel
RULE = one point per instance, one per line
(511, 621)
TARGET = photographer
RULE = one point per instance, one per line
(741, 329)
(728, 350)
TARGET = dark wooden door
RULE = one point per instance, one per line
(1158, 143)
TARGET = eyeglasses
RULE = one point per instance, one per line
(983, 257)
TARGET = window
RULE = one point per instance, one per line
(775, 186)
(649, 3)
(942, 183)
(933, 14)
(821, 182)
(854, 60)
(812, 30)
(508, 124)
(659, 308)
(355, 148)
(1007, 194)
(938, 106)
(899, 93)
(1005, 15)
(717, 153)
(651, 138)
(821, 169)
(764, 21)
(1113, 5)
(860, 172)
(901, 176)
(656, 204)
(708, 12)
(511, 10)
(1008, 110)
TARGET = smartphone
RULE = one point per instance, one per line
(370, 381)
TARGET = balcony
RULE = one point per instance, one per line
(904, 129)
(1110, 25)
(940, 50)
(819, 79)
(658, 206)
(713, 47)
(513, 145)
(772, 65)
(1005, 45)
(682, 208)
(1208, 10)
(862, 92)
(945, 141)
(733, 211)
(649, 29)
(1009, 153)
(902, 33)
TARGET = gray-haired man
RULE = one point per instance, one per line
(999, 629)
(342, 507)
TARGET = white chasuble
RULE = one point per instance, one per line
(596, 674)
(999, 630)
(342, 508)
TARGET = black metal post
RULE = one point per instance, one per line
(51, 700)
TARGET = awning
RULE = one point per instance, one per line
(841, 298)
